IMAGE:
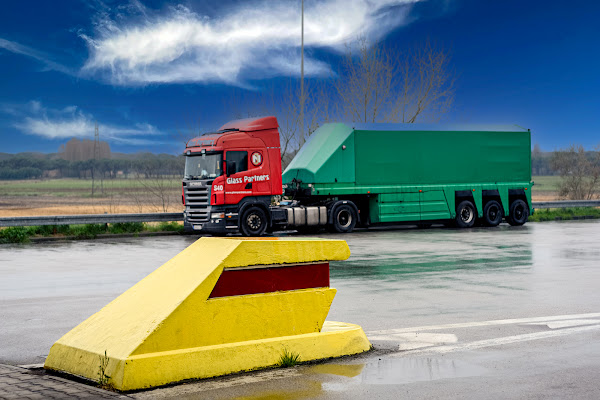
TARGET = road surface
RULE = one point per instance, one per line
(495, 313)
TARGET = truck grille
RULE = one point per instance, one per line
(197, 200)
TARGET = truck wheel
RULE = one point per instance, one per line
(187, 227)
(253, 222)
(465, 214)
(519, 213)
(344, 219)
(492, 213)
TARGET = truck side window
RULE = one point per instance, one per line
(240, 158)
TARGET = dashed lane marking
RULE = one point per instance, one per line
(500, 341)
(483, 323)
(567, 324)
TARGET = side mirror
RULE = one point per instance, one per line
(231, 167)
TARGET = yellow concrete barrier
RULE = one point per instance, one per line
(222, 305)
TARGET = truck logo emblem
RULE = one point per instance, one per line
(256, 159)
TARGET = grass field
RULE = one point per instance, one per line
(74, 196)
(545, 183)
(77, 187)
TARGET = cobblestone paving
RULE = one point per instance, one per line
(20, 383)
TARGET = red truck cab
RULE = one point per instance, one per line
(232, 174)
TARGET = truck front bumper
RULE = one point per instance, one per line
(219, 221)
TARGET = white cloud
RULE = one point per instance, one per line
(35, 119)
(18, 48)
(259, 39)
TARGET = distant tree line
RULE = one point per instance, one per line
(82, 150)
(541, 162)
(146, 165)
(34, 166)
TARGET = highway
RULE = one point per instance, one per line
(496, 313)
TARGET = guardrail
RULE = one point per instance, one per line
(160, 217)
(89, 219)
(566, 204)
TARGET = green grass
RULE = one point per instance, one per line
(545, 183)
(126, 227)
(165, 227)
(14, 234)
(88, 231)
(103, 378)
(70, 187)
(553, 214)
(288, 359)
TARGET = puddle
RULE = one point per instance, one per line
(397, 372)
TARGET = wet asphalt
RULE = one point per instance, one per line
(430, 301)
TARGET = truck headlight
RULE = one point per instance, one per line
(217, 215)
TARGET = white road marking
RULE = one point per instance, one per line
(418, 340)
(418, 337)
(567, 324)
(501, 341)
(483, 323)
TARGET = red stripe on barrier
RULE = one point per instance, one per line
(236, 282)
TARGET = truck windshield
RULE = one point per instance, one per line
(203, 166)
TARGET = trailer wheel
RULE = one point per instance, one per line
(492, 213)
(344, 219)
(519, 213)
(465, 214)
(253, 222)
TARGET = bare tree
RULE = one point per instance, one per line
(374, 84)
(427, 85)
(160, 191)
(284, 103)
(378, 85)
(536, 159)
(365, 83)
(288, 113)
(579, 171)
(192, 128)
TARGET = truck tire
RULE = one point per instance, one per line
(253, 222)
(344, 218)
(519, 213)
(492, 213)
(187, 227)
(465, 214)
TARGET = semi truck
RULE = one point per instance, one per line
(351, 175)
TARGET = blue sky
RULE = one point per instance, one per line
(151, 71)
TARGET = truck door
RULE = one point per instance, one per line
(236, 169)
(259, 172)
(250, 177)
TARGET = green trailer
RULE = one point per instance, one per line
(410, 173)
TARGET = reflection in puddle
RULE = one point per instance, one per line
(305, 390)
(405, 370)
(347, 370)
